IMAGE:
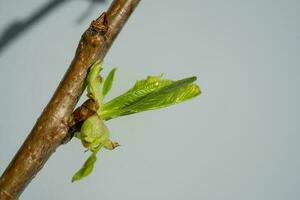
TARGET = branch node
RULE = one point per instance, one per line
(100, 24)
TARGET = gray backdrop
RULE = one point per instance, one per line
(238, 140)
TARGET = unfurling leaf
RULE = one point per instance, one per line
(93, 133)
(174, 93)
(108, 82)
(139, 90)
(149, 94)
(86, 169)
(94, 82)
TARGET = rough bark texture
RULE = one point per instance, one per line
(52, 126)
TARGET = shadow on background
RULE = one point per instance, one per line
(16, 28)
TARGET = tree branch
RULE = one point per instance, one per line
(52, 126)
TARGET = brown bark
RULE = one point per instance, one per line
(52, 126)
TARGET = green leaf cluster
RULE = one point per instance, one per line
(94, 134)
(154, 92)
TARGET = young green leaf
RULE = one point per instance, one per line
(86, 169)
(94, 82)
(168, 94)
(174, 93)
(138, 91)
(108, 82)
